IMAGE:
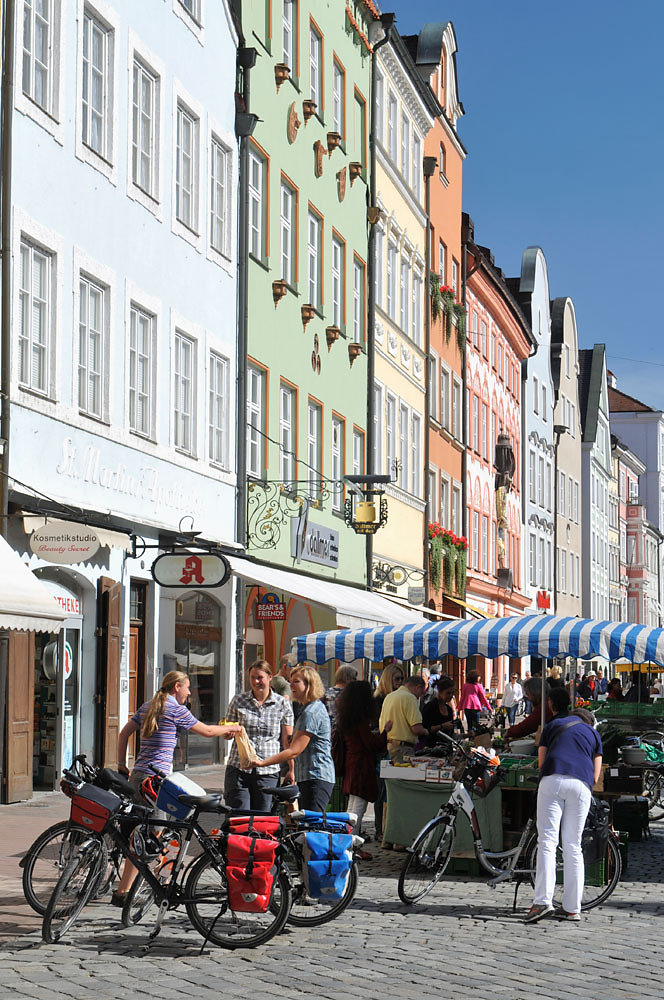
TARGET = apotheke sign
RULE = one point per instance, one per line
(63, 544)
(318, 544)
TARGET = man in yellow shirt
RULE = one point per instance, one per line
(402, 709)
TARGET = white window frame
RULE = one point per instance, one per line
(404, 451)
(532, 559)
(392, 125)
(187, 112)
(316, 67)
(339, 99)
(141, 57)
(485, 431)
(391, 285)
(32, 250)
(287, 432)
(404, 294)
(379, 259)
(562, 493)
(445, 396)
(184, 440)
(93, 283)
(476, 423)
(288, 231)
(256, 221)
(192, 14)
(256, 420)
(416, 447)
(455, 277)
(338, 461)
(485, 543)
(417, 165)
(416, 311)
(532, 476)
(338, 269)
(432, 497)
(379, 124)
(314, 442)
(432, 383)
(104, 160)
(220, 203)
(289, 35)
(358, 452)
(50, 116)
(314, 259)
(442, 261)
(405, 147)
(379, 424)
(544, 403)
(359, 301)
(535, 395)
(476, 540)
(137, 308)
(457, 409)
(456, 508)
(218, 409)
(445, 500)
(540, 481)
(391, 432)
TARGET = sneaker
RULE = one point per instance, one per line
(564, 915)
(118, 898)
(537, 912)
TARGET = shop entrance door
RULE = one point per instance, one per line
(68, 674)
(57, 704)
(198, 654)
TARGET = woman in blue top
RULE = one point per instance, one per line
(570, 761)
(310, 747)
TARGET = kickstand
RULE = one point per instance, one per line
(517, 885)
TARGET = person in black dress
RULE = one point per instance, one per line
(439, 714)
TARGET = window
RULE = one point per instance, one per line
(256, 421)
(38, 30)
(544, 403)
(475, 337)
(566, 348)
(338, 282)
(91, 325)
(378, 428)
(380, 108)
(570, 501)
(572, 420)
(442, 256)
(563, 571)
(35, 319)
(456, 510)
(542, 563)
(359, 300)
(404, 293)
(220, 230)
(193, 7)
(145, 116)
(485, 428)
(572, 580)
(456, 410)
(218, 409)
(288, 34)
(358, 452)
(392, 126)
(183, 393)
(338, 100)
(417, 310)
(360, 107)
(500, 363)
(186, 168)
(455, 278)
(338, 462)
(535, 395)
(314, 425)
(392, 280)
(432, 384)
(444, 501)
(540, 481)
(314, 246)
(417, 166)
(416, 469)
(380, 266)
(485, 544)
(316, 67)
(287, 427)
(576, 502)
(404, 421)
(532, 560)
(257, 185)
(562, 487)
(549, 494)
(391, 435)
(476, 540)
(141, 370)
(432, 513)
(288, 232)
(445, 397)
(476, 424)
(532, 476)
(483, 338)
(493, 350)
(405, 148)
(96, 85)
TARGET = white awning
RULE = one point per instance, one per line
(354, 608)
(25, 603)
(107, 538)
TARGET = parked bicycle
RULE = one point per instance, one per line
(430, 853)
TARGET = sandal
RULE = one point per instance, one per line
(118, 898)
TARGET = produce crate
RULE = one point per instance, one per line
(461, 864)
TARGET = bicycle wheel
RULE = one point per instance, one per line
(308, 911)
(427, 860)
(206, 901)
(600, 877)
(74, 889)
(652, 789)
(46, 859)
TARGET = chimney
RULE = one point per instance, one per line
(612, 381)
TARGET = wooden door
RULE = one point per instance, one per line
(20, 715)
(109, 632)
(134, 631)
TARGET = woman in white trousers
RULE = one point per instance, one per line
(570, 761)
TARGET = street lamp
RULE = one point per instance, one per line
(362, 514)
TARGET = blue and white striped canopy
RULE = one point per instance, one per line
(530, 635)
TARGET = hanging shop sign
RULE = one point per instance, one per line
(270, 609)
(543, 600)
(63, 543)
(416, 595)
(188, 569)
(316, 544)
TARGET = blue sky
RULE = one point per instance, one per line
(565, 135)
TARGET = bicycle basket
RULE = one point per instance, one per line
(486, 780)
(93, 807)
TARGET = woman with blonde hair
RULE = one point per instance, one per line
(310, 747)
(158, 721)
(391, 678)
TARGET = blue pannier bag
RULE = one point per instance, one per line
(170, 790)
(327, 861)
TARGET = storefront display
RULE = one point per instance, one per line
(198, 654)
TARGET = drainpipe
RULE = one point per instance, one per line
(6, 227)
(245, 122)
(387, 22)
(429, 165)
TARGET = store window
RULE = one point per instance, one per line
(198, 654)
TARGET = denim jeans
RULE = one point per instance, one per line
(511, 714)
(314, 794)
(246, 789)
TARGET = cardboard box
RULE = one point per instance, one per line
(623, 778)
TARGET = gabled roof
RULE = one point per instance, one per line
(620, 402)
(591, 369)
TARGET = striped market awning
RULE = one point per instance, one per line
(531, 635)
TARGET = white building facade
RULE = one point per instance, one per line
(597, 470)
(123, 369)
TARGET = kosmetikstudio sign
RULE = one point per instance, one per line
(64, 544)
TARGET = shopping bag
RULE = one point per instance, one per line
(246, 750)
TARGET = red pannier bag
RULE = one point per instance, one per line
(250, 871)
(261, 825)
(93, 807)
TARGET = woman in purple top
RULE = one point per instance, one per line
(158, 721)
(473, 700)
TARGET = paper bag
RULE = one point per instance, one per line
(246, 750)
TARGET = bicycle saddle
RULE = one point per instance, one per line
(115, 782)
(205, 803)
(287, 793)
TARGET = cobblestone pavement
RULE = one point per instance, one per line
(462, 941)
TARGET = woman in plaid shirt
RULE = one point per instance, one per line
(268, 720)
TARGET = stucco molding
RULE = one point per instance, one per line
(395, 72)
